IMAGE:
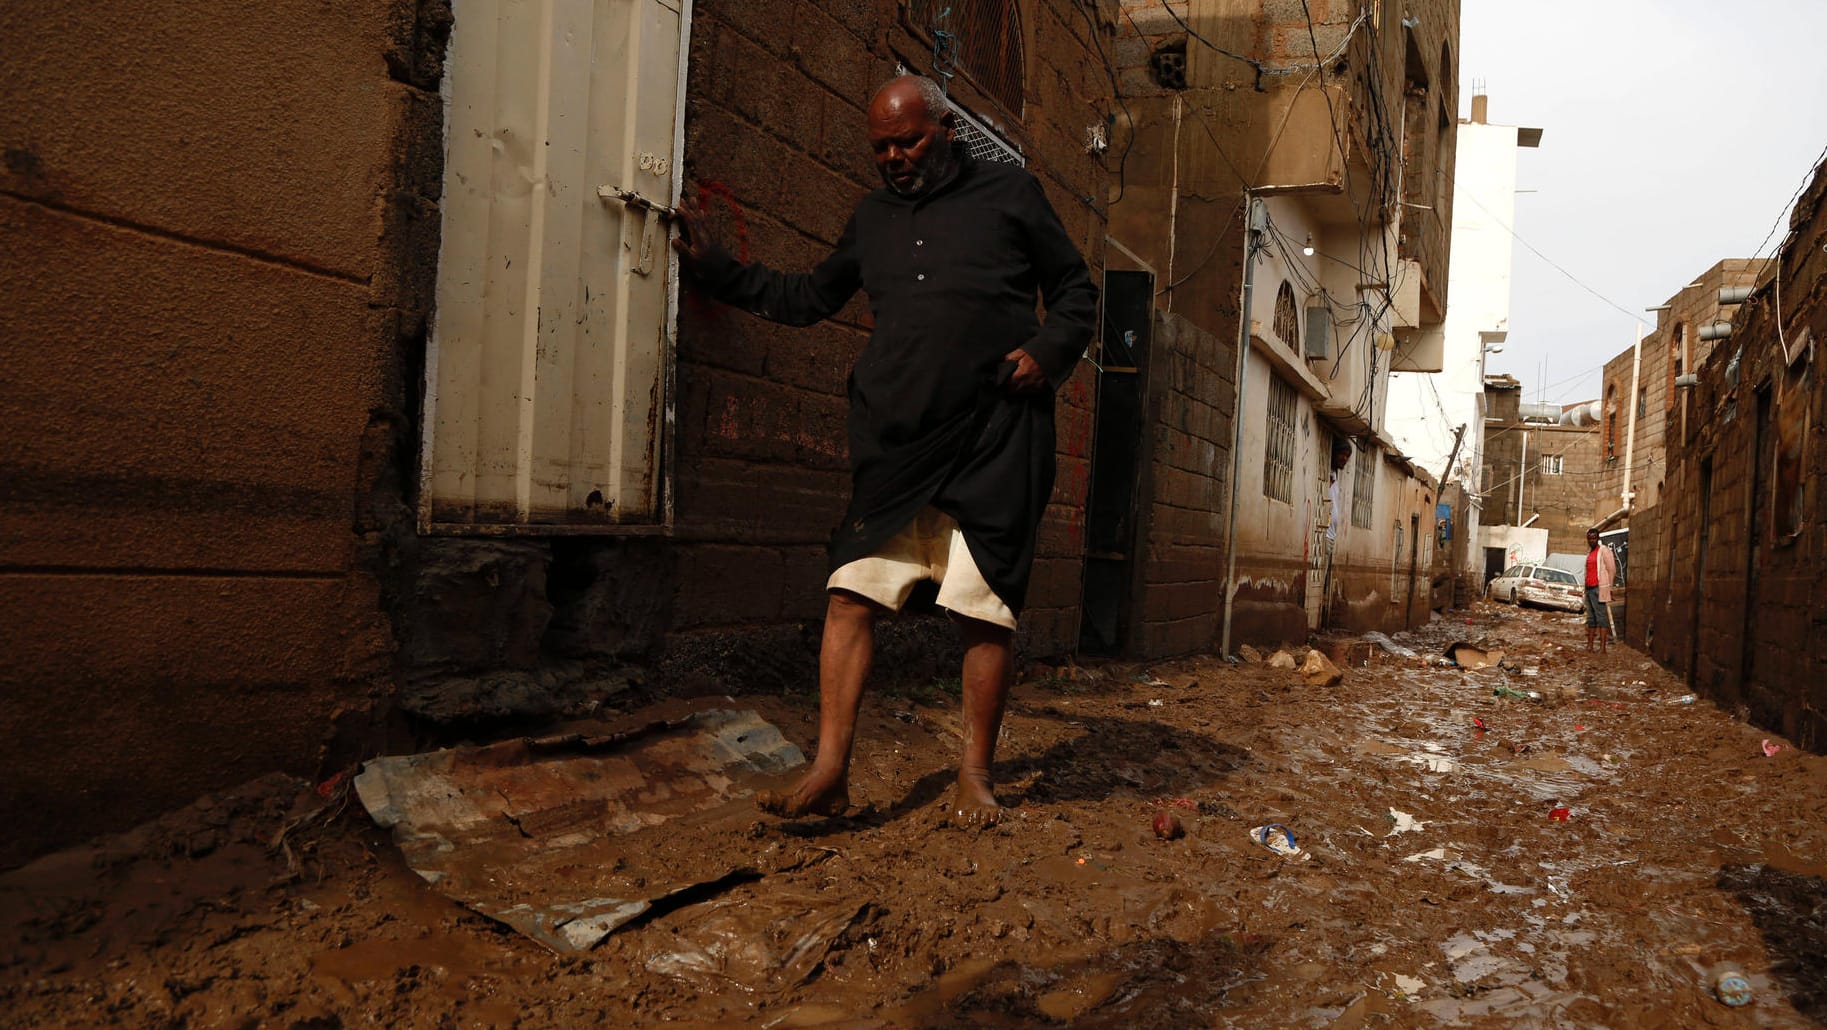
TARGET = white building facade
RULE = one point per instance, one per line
(1427, 409)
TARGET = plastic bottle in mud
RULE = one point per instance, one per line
(1731, 987)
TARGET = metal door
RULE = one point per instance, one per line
(548, 367)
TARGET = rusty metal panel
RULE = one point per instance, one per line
(547, 374)
(567, 838)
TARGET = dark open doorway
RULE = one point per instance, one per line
(1117, 453)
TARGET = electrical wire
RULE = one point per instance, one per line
(1781, 215)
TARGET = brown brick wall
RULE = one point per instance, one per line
(1735, 601)
(1192, 397)
(1567, 504)
(219, 227)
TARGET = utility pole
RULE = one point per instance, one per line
(1458, 438)
(1255, 222)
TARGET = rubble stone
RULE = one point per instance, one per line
(1319, 670)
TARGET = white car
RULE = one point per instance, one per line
(1539, 585)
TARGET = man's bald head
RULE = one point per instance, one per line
(912, 89)
(910, 131)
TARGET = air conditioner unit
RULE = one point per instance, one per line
(1316, 341)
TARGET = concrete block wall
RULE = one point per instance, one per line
(1745, 523)
(219, 226)
(1192, 399)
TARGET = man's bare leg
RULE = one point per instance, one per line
(1590, 630)
(989, 667)
(844, 658)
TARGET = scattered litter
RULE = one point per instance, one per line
(1409, 985)
(1771, 749)
(1476, 721)
(1532, 670)
(1608, 759)
(1471, 656)
(1685, 699)
(1150, 680)
(1168, 827)
(327, 789)
(1561, 813)
(1282, 660)
(1731, 987)
(1517, 695)
(1404, 823)
(1156, 703)
(1577, 728)
(1437, 764)
(1389, 645)
(1437, 854)
(1279, 839)
(1249, 654)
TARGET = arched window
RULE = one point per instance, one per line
(982, 39)
(1449, 86)
(1611, 422)
(1287, 316)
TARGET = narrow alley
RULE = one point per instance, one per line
(1595, 856)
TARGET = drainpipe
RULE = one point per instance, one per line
(1254, 223)
(1630, 435)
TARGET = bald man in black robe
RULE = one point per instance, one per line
(951, 412)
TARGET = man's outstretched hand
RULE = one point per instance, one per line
(1027, 377)
(700, 232)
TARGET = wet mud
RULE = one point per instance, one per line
(1591, 858)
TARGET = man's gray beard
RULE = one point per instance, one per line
(926, 173)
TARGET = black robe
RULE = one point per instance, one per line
(952, 278)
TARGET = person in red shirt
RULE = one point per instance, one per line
(1601, 572)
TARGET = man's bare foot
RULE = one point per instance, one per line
(818, 793)
(973, 802)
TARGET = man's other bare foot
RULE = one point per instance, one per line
(973, 802)
(818, 793)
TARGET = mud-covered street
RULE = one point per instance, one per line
(1436, 882)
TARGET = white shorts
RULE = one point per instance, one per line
(931, 547)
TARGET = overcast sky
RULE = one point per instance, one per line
(1675, 132)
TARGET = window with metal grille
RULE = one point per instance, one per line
(1287, 316)
(980, 38)
(1278, 453)
(980, 141)
(1364, 488)
(1553, 464)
